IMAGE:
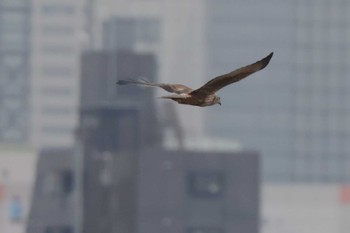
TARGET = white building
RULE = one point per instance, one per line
(57, 38)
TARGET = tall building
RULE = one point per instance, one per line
(53, 203)
(40, 44)
(256, 111)
(15, 31)
(56, 45)
(322, 130)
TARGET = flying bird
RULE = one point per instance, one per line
(206, 94)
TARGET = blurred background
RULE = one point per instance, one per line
(79, 154)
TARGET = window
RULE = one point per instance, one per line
(13, 17)
(57, 50)
(57, 91)
(58, 9)
(16, 210)
(54, 71)
(13, 61)
(67, 181)
(58, 182)
(15, 39)
(58, 30)
(205, 230)
(57, 130)
(205, 184)
(14, 3)
(57, 110)
(59, 229)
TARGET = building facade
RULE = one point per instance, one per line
(203, 191)
(256, 111)
(322, 130)
(57, 40)
(40, 47)
(53, 203)
(294, 111)
(15, 52)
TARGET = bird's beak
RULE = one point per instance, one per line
(219, 103)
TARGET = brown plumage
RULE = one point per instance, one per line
(205, 95)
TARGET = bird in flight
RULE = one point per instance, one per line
(206, 94)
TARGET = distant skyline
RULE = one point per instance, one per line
(295, 112)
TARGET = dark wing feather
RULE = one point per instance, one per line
(173, 88)
(221, 81)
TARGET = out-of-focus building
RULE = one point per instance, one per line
(198, 191)
(40, 45)
(53, 203)
(57, 38)
(321, 130)
(17, 177)
(131, 188)
(256, 111)
(114, 125)
(128, 189)
(15, 31)
(101, 70)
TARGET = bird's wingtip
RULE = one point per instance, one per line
(267, 58)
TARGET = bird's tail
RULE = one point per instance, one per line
(138, 82)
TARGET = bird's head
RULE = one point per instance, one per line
(217, 100)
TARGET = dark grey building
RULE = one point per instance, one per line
(110, 144)
(115, 123)
(14, 71)
(101, 70)
(53, 200)
(191, 192)
(152, 190)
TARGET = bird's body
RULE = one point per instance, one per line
(193, 100)
(205, 95)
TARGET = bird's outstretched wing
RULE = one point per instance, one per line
(223, 80)
(173, 88)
